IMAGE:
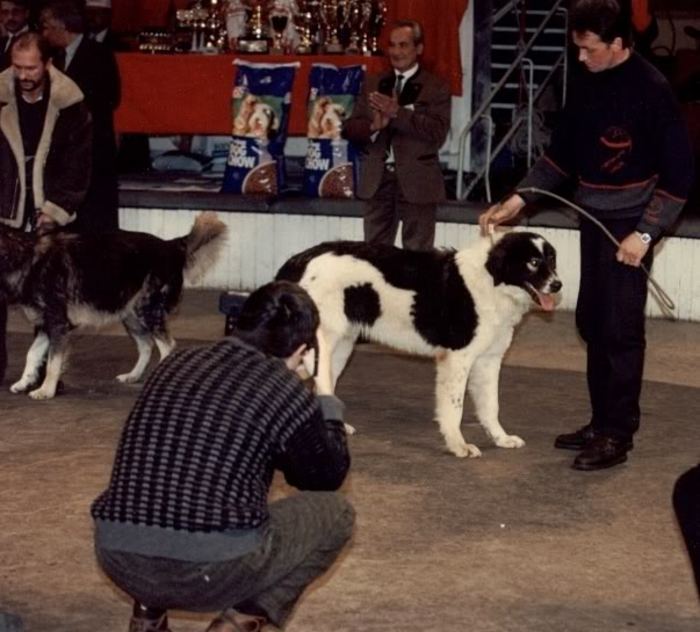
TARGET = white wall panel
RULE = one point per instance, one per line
(259, 243)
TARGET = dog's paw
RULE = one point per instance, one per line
(128, 378)
(349, 430)
(509, 441)
(41, 393)
(463, 450)
(20, 387)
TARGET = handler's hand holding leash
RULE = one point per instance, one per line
(630, 251)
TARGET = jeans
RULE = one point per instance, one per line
(306, 533)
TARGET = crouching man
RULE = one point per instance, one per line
(185, 522)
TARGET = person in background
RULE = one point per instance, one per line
(14, 15)
(45, 140)
(185, 521)
(399, 123)
(93, 67)
(98, 15)
(630, 159)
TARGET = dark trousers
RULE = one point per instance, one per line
(3, 339)
(686, 503)
(306, 533)
(610, 318)
(388, 206)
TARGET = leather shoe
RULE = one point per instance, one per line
(575, 440)
(146, 619)
(603, 451)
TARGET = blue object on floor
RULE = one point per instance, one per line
(230, 304)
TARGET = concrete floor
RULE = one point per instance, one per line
(515, 541)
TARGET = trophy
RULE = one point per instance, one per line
(282, 13)
(215, 40)
(376, 21)
(307, 26)
(255, 40)
(358, 20)
(330, 18)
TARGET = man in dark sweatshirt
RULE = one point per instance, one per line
(184, 522)
(623, 142)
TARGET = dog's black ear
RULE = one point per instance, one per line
(496, 263)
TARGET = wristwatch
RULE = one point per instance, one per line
(645, 237)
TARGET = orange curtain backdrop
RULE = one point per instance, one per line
(440, 20)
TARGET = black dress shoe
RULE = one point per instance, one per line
(575, 440)
(603, 451)
(144, 619)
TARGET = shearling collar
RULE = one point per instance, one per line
(64, 91)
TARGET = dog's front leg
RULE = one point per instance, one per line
(35, 358)
(57, 353)
(483, 389)
(450, 384)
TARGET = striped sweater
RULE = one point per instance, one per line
(623, 139)
(211, 425)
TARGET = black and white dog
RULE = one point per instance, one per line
(64, 281)
(459, 307)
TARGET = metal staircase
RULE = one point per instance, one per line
(528, 48)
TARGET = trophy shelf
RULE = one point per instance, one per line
(191, 94)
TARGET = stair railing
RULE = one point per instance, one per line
(520, 59)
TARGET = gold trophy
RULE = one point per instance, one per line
(376, 22)
(306, 25)
(279, 20)
(331, 24)
(256, 39)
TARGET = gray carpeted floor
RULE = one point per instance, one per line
(514, 541)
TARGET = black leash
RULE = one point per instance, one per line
(667, 304)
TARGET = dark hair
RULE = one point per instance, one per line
(71, 13)
(28, 40)
(604, 18)
(416, 29)
(277, 318)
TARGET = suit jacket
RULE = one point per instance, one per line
(5, 61)
(416, 135)
(94, 69)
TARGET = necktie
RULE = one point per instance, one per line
(399, 84)
(9, 43)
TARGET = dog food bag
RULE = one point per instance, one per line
(329, 169)
(260, 107)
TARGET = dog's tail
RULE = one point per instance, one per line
(203, 245)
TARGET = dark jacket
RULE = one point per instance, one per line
(623, 140)
(94, 69)
(62, 163)
(416, 134)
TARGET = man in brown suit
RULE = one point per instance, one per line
(400, 122)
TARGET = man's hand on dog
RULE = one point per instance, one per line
(632, 250)
(500, 213)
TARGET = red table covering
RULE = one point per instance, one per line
(191, 94)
